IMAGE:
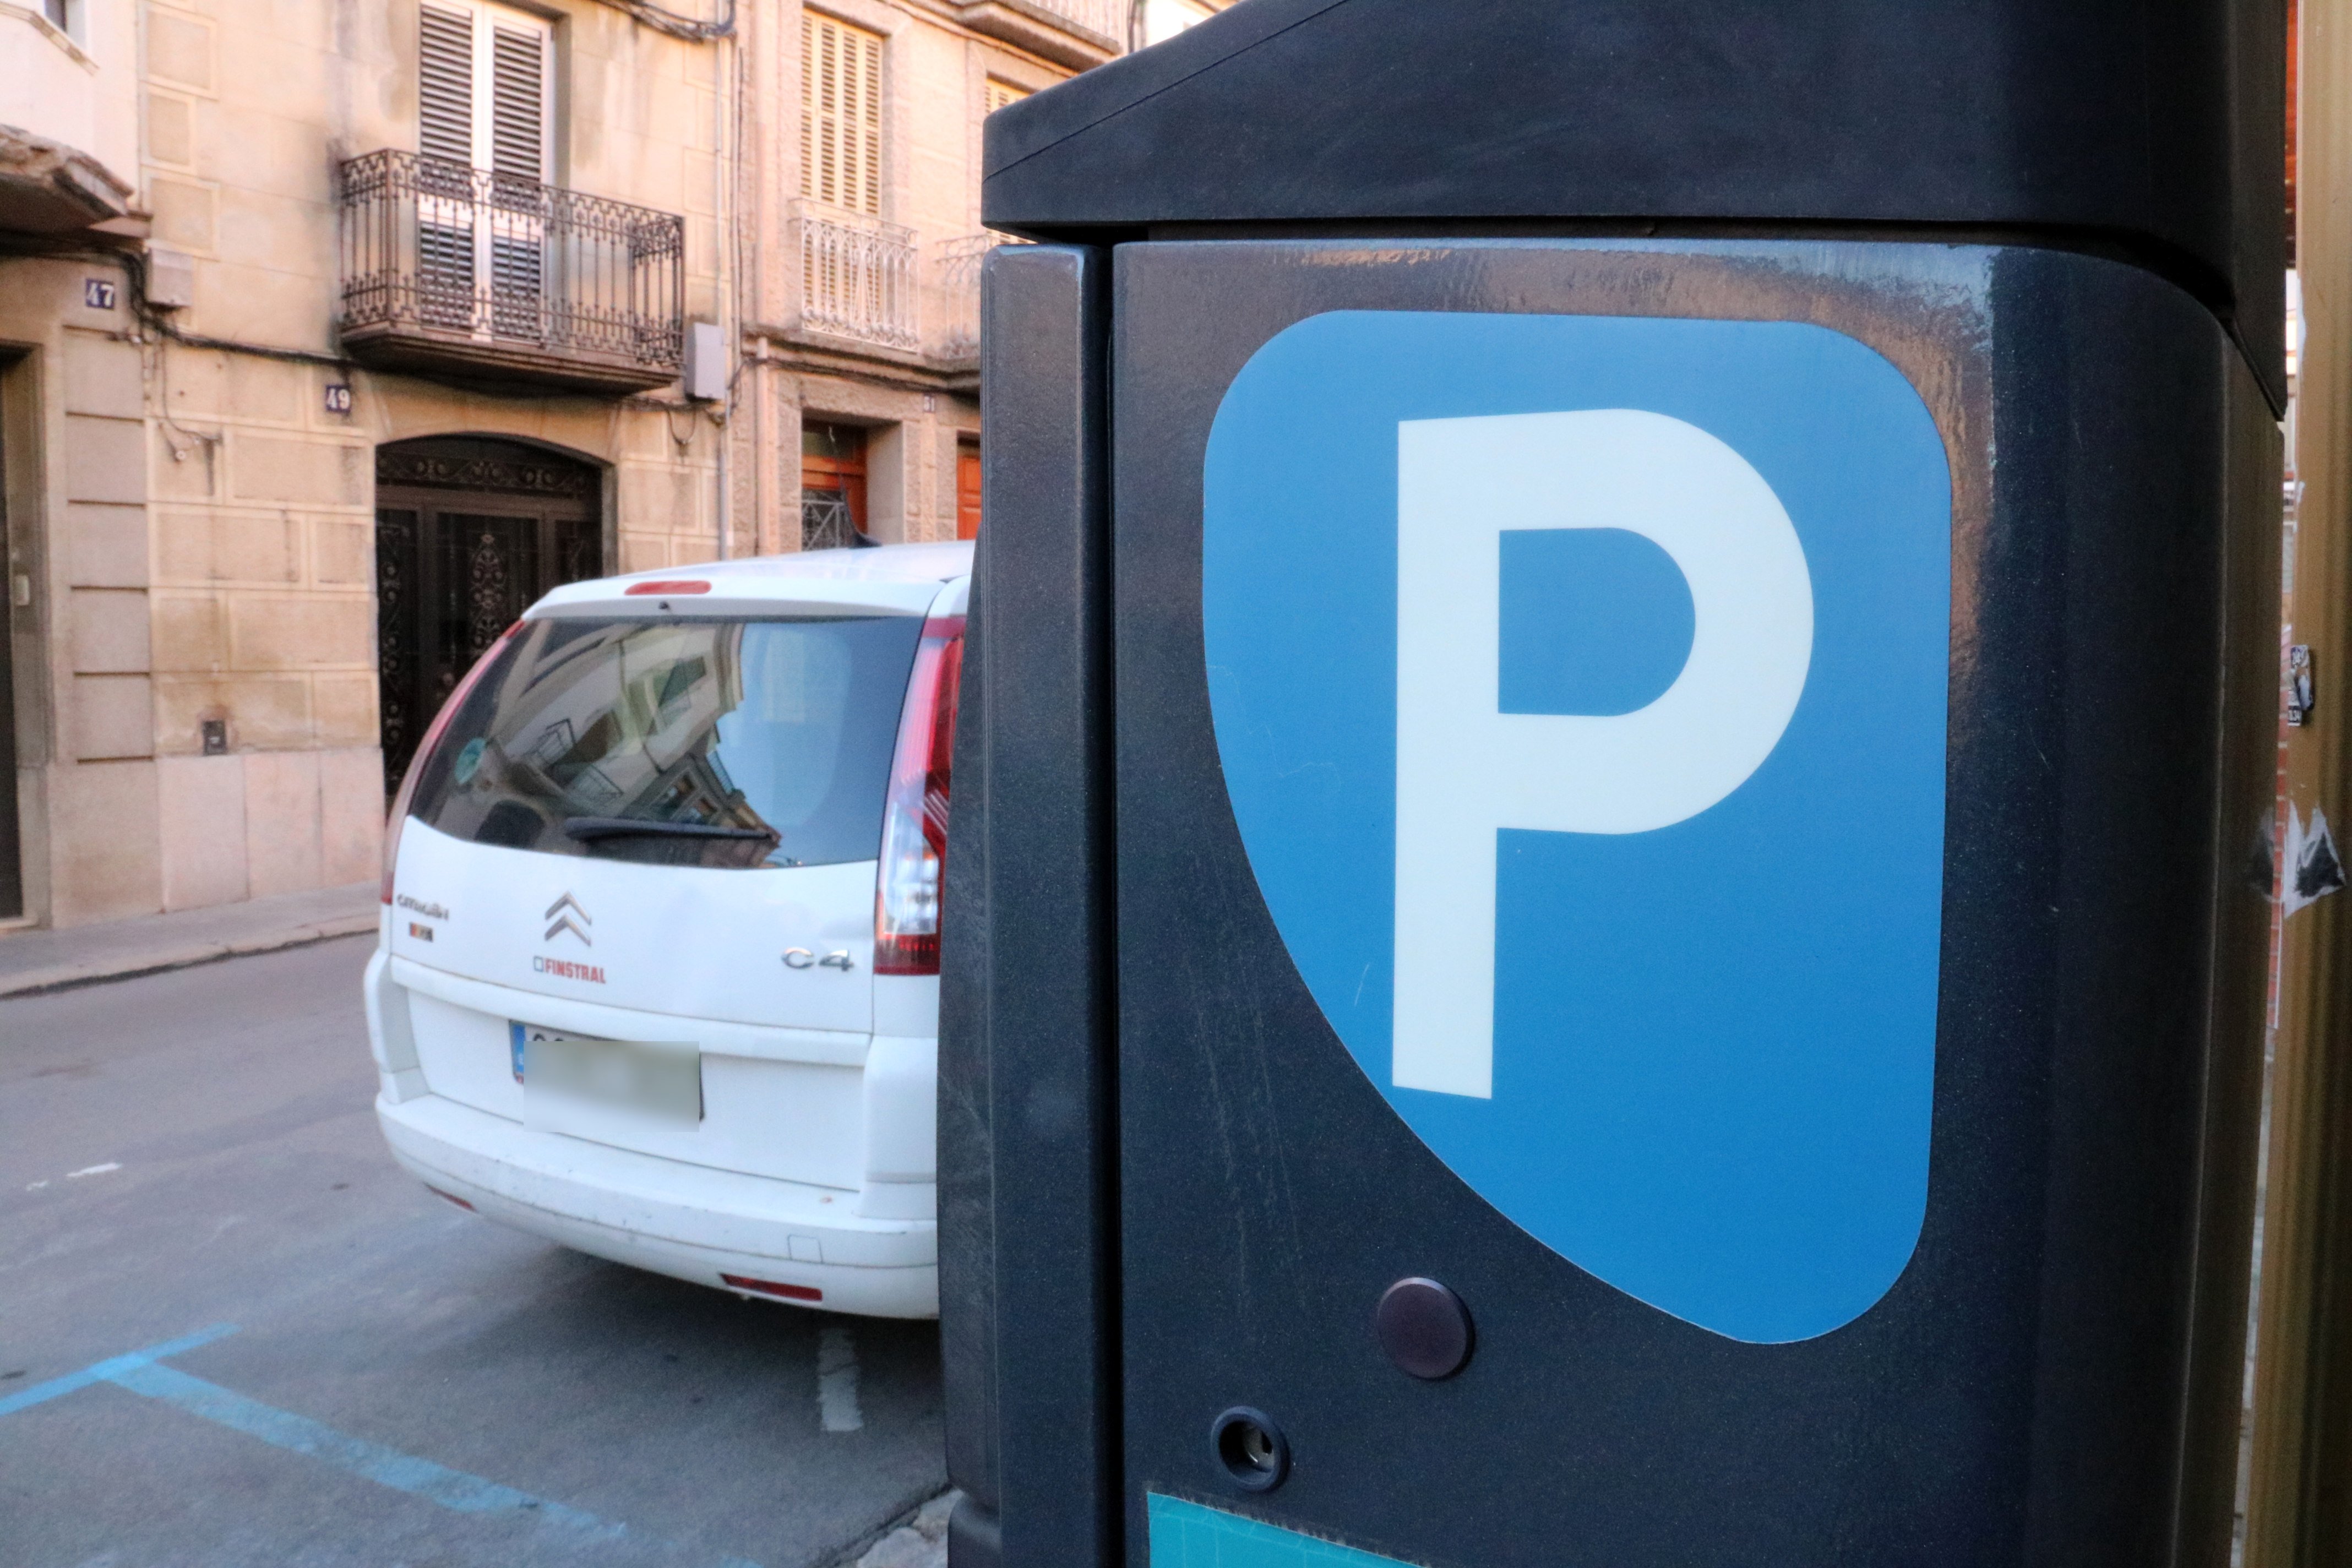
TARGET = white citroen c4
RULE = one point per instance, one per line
(658, 971)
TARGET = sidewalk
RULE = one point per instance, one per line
(53, 960)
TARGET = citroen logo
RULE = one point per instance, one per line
(563, 921)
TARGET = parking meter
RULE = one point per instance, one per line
(1610, 852)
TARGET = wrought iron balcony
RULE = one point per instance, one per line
(1076, 33)
(453, 270)
(958, 262)
(857, 280)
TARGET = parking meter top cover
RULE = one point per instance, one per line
(1579, 688)
(2157, 127)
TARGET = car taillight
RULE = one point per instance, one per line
(915, 820)
(423, 754)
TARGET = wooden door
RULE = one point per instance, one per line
(833, 485)
(967, 491)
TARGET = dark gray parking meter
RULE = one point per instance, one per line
(1610, 853)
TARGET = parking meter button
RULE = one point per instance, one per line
(1424, 1328)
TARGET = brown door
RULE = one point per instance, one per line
(468, 533)
(967, 491)
(833, 485)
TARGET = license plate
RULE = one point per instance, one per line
(657, 1079)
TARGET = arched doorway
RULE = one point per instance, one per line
(468, 531)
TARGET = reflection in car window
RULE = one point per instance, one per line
(720, 743)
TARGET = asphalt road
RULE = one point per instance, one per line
(351, 1371)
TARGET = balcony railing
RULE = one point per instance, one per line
(453, 269)
(958, 263)
(1076, 33)
(1104, 18)
(858, 280)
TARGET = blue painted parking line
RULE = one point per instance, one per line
(109, 1370)
(142, 1373)
(372, 1461)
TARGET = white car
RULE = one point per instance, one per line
(659, 970)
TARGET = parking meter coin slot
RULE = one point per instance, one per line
(1250, 1448)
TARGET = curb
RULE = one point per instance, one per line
(914, 1537)
(130, 966)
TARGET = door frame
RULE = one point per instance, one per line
(24, 709)
(848, 475)
(479, 475)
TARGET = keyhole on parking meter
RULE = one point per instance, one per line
(1250, 1447)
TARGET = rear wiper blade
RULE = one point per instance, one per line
(588, 829)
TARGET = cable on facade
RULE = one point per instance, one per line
(173, 430)
(676, 25)
(134, 280)
(176, 435)
(160, 329)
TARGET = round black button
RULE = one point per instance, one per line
(1424, 1328)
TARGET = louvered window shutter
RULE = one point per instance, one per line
(504, 130)
(841, 114)
(519, 101)
(1001, 93)
(444, 71)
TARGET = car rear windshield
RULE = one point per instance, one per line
(724, 743)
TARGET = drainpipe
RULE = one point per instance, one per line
(726, 313)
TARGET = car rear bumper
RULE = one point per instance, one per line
(662, 1214)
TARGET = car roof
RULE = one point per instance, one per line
(901, 579)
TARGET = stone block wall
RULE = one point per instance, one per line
(195, 538)
(195, 524)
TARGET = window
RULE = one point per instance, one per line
(841, 114)
(482, 89)
(1001, 93)
(722, 743)
(482, 102)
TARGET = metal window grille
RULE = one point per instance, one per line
(858, 280)
(825, 520)
(432, 244)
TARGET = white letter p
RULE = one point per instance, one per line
(1465, 769)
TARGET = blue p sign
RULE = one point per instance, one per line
(1579, 686)
(1467, 765)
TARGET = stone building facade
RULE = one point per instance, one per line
(332, 334)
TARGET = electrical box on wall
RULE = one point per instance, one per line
(706, 362)
(171, 280)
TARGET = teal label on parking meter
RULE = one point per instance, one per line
(1579, 685)
(1187, 1535)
